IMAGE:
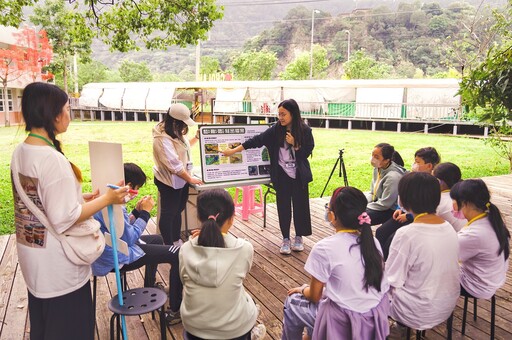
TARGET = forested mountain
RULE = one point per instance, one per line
(431, 36)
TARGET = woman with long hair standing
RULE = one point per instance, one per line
(289, 142)
(173, 169)
(59, 292)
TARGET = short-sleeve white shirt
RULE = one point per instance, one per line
(336, 261)
(482, 270)
(49, 181)
(423, 270)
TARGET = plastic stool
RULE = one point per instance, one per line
(249, 204)
(135, 302)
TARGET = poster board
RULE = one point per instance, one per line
(107, 168)
(246, 165)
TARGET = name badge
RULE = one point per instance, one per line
(290, 165)
(190, 166)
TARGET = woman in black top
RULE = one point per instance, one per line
(289, 142)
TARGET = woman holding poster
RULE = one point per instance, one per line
(173, 169)
(290, 143)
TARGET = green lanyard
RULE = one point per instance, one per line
(31, 134)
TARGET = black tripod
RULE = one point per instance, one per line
(341, 170)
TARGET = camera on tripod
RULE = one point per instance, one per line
(342, 170)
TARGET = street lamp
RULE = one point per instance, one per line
(348, 44)
(311, 47)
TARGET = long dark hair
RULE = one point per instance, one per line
(41, 104)
(347, 204)
(475, 191)
(174, 127)
(297, 126)
(214, 208)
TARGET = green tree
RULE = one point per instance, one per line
(487, 89)
(68, 33)
(363, 66)
(156, 24)
(209, 65)
(299, 68)
(255, 65)
(132, 71)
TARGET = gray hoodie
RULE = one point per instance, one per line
(215, 304)
(385, 195)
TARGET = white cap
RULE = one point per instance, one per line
(181, 112)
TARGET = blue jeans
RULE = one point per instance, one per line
(299, 312)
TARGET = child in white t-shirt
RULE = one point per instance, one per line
(448, 174)
(422, 266)
(484, 241)
(347, 277)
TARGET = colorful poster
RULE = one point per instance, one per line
(248, 164)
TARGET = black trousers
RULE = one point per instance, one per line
(289, 192)
(157, 252)
(63, 317)
(172, 203)
(378, 216)
(386, 232)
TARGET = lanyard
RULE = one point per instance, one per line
(419, 215)
(376, 185)
(478, 217)
(31, 134)
(447, 190)
(348, 231)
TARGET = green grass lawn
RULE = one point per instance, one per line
(473, 156)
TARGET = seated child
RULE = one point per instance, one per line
(422, 267)
(145, 250)
(213, 267)
(448, 174)
(383, 190)
(483, 242)
(425, 160)
(347, 277)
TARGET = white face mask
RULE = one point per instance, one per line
(415, 167)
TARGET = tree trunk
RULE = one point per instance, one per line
(6, 106)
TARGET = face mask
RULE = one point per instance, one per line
(458, 214)
(415, 167)
(374, 162)
(326, 215)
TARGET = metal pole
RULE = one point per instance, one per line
(311, 46)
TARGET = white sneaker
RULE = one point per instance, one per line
(178, 243)
(285, 247)
(298, 244)
(258, 332)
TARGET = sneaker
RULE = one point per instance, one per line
(298, 244)
(285, 247)
(178, 243)
(258, 332)
(172, 318)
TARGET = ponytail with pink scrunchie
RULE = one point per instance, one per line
(364, 218)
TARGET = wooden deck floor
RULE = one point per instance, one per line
(271, 276)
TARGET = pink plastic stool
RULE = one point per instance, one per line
(249, 204)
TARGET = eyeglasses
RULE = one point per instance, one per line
(327, 207)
